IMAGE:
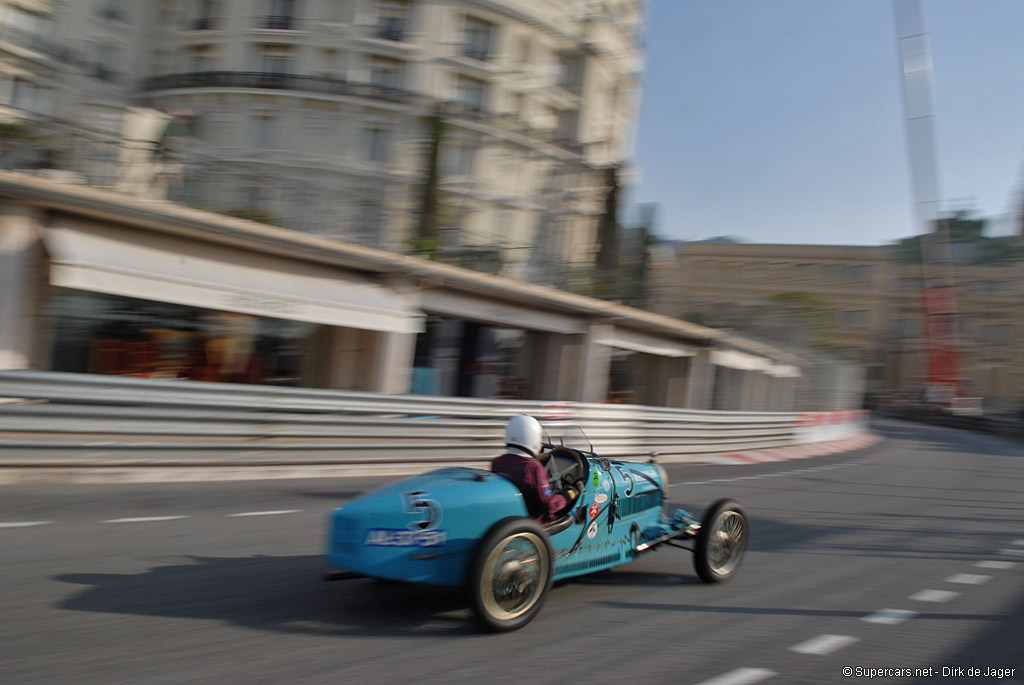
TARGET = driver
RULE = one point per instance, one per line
(521, 466)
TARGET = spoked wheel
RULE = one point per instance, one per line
(721, 541)
(511, 574)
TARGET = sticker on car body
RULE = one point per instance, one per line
(401, 537)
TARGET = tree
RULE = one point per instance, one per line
(427, 238)
(608, 229)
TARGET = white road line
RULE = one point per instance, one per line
(996, 564)
(890, 616)
(968, 579)
(144, 519)
(934, 596)
(1011, 552)
(23, 524)
(823, 644)
(1018, 542)
(267, 513)
(741, 676)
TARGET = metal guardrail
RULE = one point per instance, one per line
(1003, 427)
(75, 411)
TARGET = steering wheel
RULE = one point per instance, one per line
(561, 479)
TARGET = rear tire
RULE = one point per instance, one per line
(511, 574)
(721, 541)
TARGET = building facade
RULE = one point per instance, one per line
(858, 304)
(99, 282)
(323, 115)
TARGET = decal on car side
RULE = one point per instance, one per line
(419, 502)
(399, 537)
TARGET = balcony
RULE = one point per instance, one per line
(272, 81)
(477, 53)
(279, 21)
(389, 33)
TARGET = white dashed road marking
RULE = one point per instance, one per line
(741, 676)
(823, 644)
(23, 524)
(144, 519)
(1018, 542)
(968, 579)
(996, 564)
(890, 616)
(1011, 552)
(934, 596)
(267, 513)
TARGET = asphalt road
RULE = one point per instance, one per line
(909, 556)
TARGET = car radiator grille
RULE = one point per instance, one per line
(584, 564)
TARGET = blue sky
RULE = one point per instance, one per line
(782, 121)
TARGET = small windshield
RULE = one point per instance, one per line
(575, 438)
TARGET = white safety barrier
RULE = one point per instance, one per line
(826, 426)
(62, 411)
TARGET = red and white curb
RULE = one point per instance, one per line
(817, 449)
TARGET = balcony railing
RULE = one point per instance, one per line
(279, 21)
(389, 33)
(272, 81)
(477, 53)
(331, 86)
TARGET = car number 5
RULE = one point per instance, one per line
(418, 502)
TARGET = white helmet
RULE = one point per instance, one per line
(523, 435)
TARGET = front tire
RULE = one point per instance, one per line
(511, 574)
(721, 541)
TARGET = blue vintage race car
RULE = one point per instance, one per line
(469, 527)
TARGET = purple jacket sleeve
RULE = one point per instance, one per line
(550, 504)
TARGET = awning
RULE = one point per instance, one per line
(642, 342)
(498, 313)
(735, 359)
(165, 269)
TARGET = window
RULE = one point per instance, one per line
(378, 144)
(386, 72)
(276, 59)
(391, 19)
(524, 51)
(113, 10)
(862, 273)
(854, 319)
(457, 159)
(32, 97)
(998, 335)
(108, 57)
(471, 93)
(206, 19)
(833, 273)
(282, 15)
(366, 222)
(263, 131)
(478, 36)
(201, 58)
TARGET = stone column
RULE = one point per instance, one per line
(19, 259)
(392, 363)
(701, 380)
(595, 365)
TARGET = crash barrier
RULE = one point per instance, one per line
(1003, 427)
(825, 426)
(203, 420)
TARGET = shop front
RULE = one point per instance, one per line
(147, 305)
(476, 348)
